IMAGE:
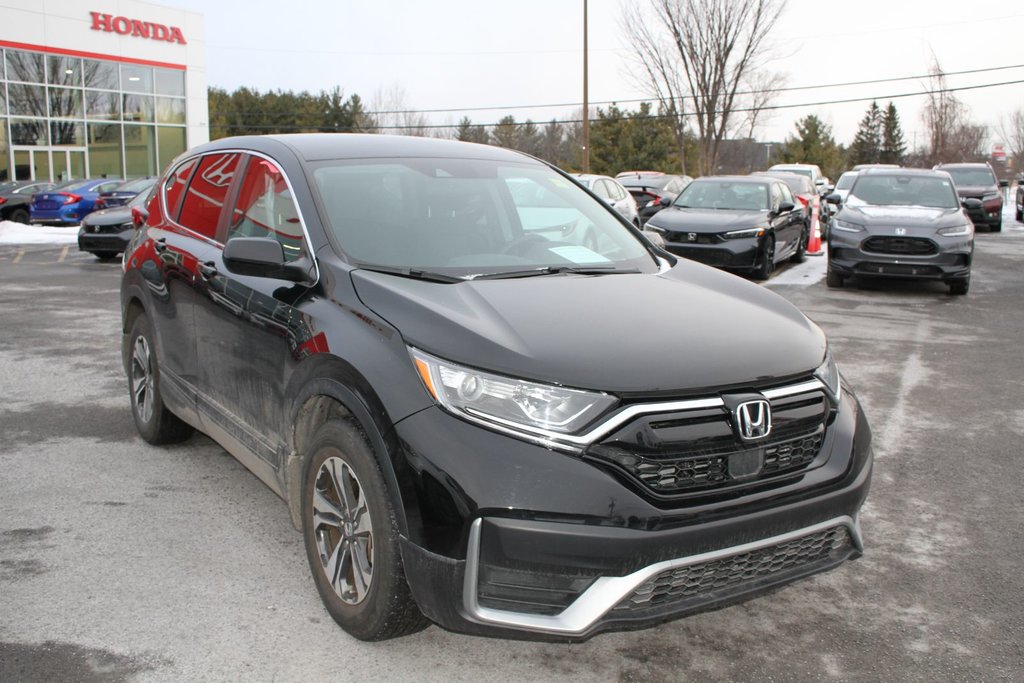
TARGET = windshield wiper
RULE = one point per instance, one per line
(554, 270)
(415, 273)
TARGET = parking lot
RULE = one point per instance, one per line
(120, 560)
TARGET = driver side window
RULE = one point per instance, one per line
(265, 208)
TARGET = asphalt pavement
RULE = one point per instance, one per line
(124, 561)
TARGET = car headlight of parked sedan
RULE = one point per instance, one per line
(746, 232)
(828, 373)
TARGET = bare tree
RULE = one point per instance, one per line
(703, 52)
(951, 134)
(390, 109)
(1011, 129)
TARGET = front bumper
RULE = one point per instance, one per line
(990, 214)
(848, 255)
(92, 242)
(735, 254)
(571, 551)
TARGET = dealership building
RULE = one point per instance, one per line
(113, 88)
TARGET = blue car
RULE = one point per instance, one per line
(70, 202)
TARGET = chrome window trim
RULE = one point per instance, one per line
(608, 591)
(254, 153)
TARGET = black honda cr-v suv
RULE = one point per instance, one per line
(457, 396)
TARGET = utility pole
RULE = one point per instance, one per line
(586, 101)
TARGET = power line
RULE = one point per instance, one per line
(669, 116)
(685, 97)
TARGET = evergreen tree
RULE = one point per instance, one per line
(867, 143)
(813, 144)
(893, 145)
(505, 133)
(467, 131)
(628, 141)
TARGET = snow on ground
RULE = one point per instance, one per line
(19, 233)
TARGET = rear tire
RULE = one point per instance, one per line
(156, 424)
(351, 535)
(801, 251)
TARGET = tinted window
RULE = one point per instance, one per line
(469, 217)
(265, 208)
(971, 176)
(904, 190)
(846, 181)
(787, 196)
(207, 193)
(724, 194)
(174, 186)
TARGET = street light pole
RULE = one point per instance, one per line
(586, 102)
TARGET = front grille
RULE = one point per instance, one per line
(708, 580)
(699, 238)
(711, 257)
(904, 246)
(698, 450)
(907, 269)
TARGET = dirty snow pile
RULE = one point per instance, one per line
(19, 233)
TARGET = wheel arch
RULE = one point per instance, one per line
(336, 390)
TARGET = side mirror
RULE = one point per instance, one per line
(786, 207)
(1004, 183)
(971, 203)
(260, 257)
(834, 198)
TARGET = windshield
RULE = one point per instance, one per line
(469, 217)
(724, 194)
(846, 181)
(967, 177)
(904, 190)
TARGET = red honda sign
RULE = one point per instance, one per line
(136, 28)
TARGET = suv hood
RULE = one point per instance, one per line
(906, 216)
(677, 219)
(687, 330)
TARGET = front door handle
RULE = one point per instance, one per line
(207, 270)
(160, 245)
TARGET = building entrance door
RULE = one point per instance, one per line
(46, 163)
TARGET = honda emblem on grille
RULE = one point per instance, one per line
(692, 236)
(754, 419)
(901, 231)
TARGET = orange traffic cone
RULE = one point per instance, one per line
(814, 241)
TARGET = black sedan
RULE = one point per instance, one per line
(105, 233)
(903, 223)
(743, 223)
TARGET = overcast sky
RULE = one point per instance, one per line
(470, 54)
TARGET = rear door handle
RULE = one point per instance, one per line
(160, 245)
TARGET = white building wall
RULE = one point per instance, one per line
(67, 25)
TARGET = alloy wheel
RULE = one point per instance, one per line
(142, 379)
(343, 530)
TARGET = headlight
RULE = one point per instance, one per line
(748, 232)
(655, 237)
(828, 373)
(847, 226)
(650, 227)
(957, 230)
(536, 409)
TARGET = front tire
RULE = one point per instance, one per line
(106, 255)
(996, 227)
(19, 216)
(833, 279)
(764, 270)
(959, 287)
(351, 536)
(156, 424)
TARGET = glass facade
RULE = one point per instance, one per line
(64, 117)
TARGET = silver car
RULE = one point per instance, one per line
(612, 192)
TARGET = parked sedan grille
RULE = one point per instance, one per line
(702, 581)
(908, 246)
(711, 257)
(698, 451)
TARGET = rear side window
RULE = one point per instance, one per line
(206, 194)
(265, 208)
(174, 186)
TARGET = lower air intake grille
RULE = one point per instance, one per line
(729, 574)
